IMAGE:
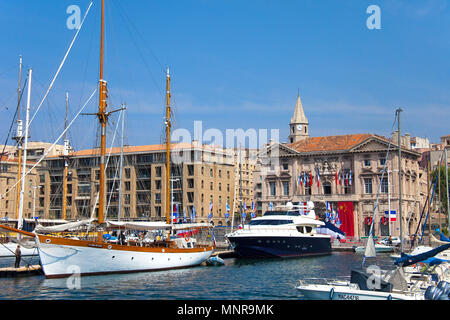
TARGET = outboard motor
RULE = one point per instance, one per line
(434, 293)
(445, 287)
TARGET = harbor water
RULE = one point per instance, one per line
(238, 279)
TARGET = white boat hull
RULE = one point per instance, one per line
(7, 250)
(65, 260)
(378, 248)
(328, 292)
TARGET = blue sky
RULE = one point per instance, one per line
(234, 64)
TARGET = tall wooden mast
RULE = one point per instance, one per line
(103, 118)
(168, 124)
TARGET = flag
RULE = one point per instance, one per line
(336, 178)
(193, 214)
(340, 178)
(227, 214)
(345, 211)
(253, 210)
(318, 178)
(310, 178)
(350, 178)
(392, 216)
(271, 206)
(210, 211)
(184, 215)
(175, 213)
(328, 207)
(338, 222)
(346, 178)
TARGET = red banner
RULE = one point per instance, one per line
(346, 217)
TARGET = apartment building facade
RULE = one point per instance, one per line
(202, 180)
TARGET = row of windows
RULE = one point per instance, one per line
(368, 189)
(268, 222)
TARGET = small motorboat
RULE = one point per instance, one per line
(215, 261)
(379, 247)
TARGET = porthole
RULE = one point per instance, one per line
(48, 240)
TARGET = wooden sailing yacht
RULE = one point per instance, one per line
(62, 256)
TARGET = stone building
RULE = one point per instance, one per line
(346, 172)
(202, 175)
(9, 205)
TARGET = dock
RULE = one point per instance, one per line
(342, 248)
(11, 272)
(224, 254)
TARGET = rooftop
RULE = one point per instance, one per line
(330, 143)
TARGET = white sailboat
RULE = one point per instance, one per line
(63, 256)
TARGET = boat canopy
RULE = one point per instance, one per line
(407, 260)
(153, 225)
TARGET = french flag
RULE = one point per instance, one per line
(392, 216)
(175, 213)
(318, 178)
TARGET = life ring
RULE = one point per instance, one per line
(186, 237)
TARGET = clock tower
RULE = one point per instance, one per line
(299, 123)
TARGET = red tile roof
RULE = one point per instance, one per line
(330, 143)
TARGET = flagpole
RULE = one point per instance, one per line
(448, 200)
(400, 181)
(389, 204)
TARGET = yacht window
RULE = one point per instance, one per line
(308, 229)
(282, 213)
(269, 222)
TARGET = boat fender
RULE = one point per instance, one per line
(331, 293)
(186, 237)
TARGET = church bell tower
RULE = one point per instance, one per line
(299, 123)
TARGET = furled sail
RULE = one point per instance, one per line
(62, 227)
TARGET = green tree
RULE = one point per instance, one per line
(442, 185)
